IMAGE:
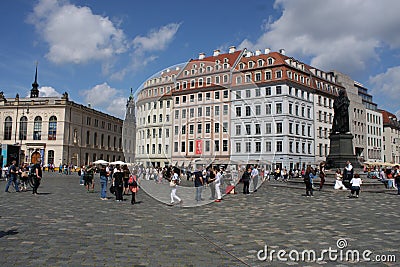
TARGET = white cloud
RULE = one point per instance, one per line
(336, 35)
(74, 34)
(387, 84)
(105, 98)
(47, 91)
(156, 39)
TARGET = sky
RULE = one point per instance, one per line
(97, 50)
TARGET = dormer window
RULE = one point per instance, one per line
(270, 61)
(260, 62)
(241, 66)
(251, 64)
(226, 65)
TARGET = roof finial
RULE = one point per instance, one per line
(35, 85)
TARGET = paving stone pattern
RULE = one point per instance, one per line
(65, 226)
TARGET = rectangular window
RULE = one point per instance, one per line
(176, 114)
(291, 146)
(199, 97)
(278, 108)
(248, 111)
(208, 128)
(238, 147)
(183, 146)
(190, 149)
(268, 128)
(225, 127)
(191, 98)
(278, 90)
(248, 93)
(290, 127)
(184, 99)
(177, 100)
(216, 110)
(208, 111)
(238, 111)
(224, 145)
(268, 146)
(183, 114)
(258, 77)
(268, 75)
(248, 129)
(258, 129)
(225, 110)
(216, 127)
(290, 108)
(191, 129)
(258, 147)
(279, 147)
(183, 129)
(175, 146)
(199, 126)
(258, 110)
(248, 147)
(258, 92)
(279, 127)
(268, 109)
(216, 143)
(226, 93)
(208, 96)
(216, 95)
(199, 112)
(238, 128)
(176, 130)
(207, 148)
(238, 95)
(191, 112)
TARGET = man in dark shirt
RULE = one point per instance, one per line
(198, 183)
(37, 177)
(13, 176)
(246, 181)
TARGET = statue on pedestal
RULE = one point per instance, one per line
(341, 116)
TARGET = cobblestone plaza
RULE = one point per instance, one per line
(65, 226)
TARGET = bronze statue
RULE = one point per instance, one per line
(341, 117)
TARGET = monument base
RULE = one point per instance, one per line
(341, 150)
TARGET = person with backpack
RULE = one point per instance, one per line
(133, 186)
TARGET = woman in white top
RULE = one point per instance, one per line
(355, 185)
(218, 178)
(339, 184)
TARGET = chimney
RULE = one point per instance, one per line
(177, 68)
(282, 51)
(216, 52)
(267, 51)
(168, 70)
(249, 54)
(232, 49)
(258, 52)
(202, 55)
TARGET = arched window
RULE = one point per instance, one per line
(37, 128)
(8, 128)
(52, 128)
(50, 157)
(23, 126)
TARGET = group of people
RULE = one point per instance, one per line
(18, 176)
(123, 182)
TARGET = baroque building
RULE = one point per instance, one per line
(58, 130)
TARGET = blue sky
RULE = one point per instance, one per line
(96, 50)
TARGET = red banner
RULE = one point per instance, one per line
(199, 149)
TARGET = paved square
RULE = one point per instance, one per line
(65, 226)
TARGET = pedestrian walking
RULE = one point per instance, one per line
(174, 184)
(355, 185)
(13, 172)
(126, 176)
(89, 178)
(133, 186)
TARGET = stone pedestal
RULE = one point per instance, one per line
(341, 150)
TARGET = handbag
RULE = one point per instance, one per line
(112, 189)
